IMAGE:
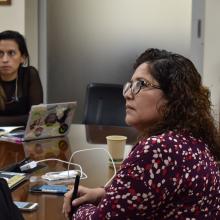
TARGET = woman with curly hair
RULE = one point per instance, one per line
(171, 173)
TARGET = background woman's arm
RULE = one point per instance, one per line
(16, 120)
(35, 88)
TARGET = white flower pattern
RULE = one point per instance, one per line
(169, 176)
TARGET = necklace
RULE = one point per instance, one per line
(15, 97)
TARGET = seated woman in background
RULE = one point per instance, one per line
(171, 173)
(20, 85)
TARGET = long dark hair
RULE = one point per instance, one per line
(188, 104)
(20, 40)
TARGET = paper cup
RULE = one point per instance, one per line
(116, 147)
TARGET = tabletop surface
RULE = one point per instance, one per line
(93, 162)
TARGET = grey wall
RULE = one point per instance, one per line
(98, 40)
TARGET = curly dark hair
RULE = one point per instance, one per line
(188, 104)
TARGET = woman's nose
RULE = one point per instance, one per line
(128, 94)
(5, 57)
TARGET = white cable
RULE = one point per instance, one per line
(83, 175)
(63, 161)
(89, 149)
(63, 175)
(28, 166)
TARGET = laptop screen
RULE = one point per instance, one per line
(49, 120)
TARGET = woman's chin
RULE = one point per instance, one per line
(129, 121)
(136, 124)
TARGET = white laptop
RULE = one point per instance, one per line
(45, 121)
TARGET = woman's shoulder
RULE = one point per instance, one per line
(30, 69)
(164, 145)
(171, 141)
(28, 74)
(173, 136)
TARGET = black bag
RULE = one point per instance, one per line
(8, 210)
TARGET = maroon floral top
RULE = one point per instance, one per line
(169, 176)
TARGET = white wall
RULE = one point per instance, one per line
(169, 18)
(22, 16)
(211, 74)
(99, 40)
(12, 17)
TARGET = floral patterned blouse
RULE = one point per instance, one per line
(169, 176)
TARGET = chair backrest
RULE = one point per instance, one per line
(104, 105)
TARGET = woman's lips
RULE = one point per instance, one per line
(129, 107)
(5, 67)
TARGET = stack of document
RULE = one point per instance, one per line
(13, 178)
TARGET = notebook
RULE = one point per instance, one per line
(13, 178)
(45, 121)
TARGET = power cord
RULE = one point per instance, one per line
(90, 149)
(33, 164)
(68, 173)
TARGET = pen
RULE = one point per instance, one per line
(74, 195)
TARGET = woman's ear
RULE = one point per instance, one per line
(23, 60)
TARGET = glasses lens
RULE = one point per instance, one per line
(136, 86)
(126, 87)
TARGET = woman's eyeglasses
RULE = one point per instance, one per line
(137, 85)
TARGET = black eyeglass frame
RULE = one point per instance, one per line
(131, 85)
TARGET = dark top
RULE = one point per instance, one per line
(8, 209)
(169, 176)
(29, 92)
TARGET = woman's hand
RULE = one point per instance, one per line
(85, 195)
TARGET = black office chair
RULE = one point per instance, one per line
(104, 105)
